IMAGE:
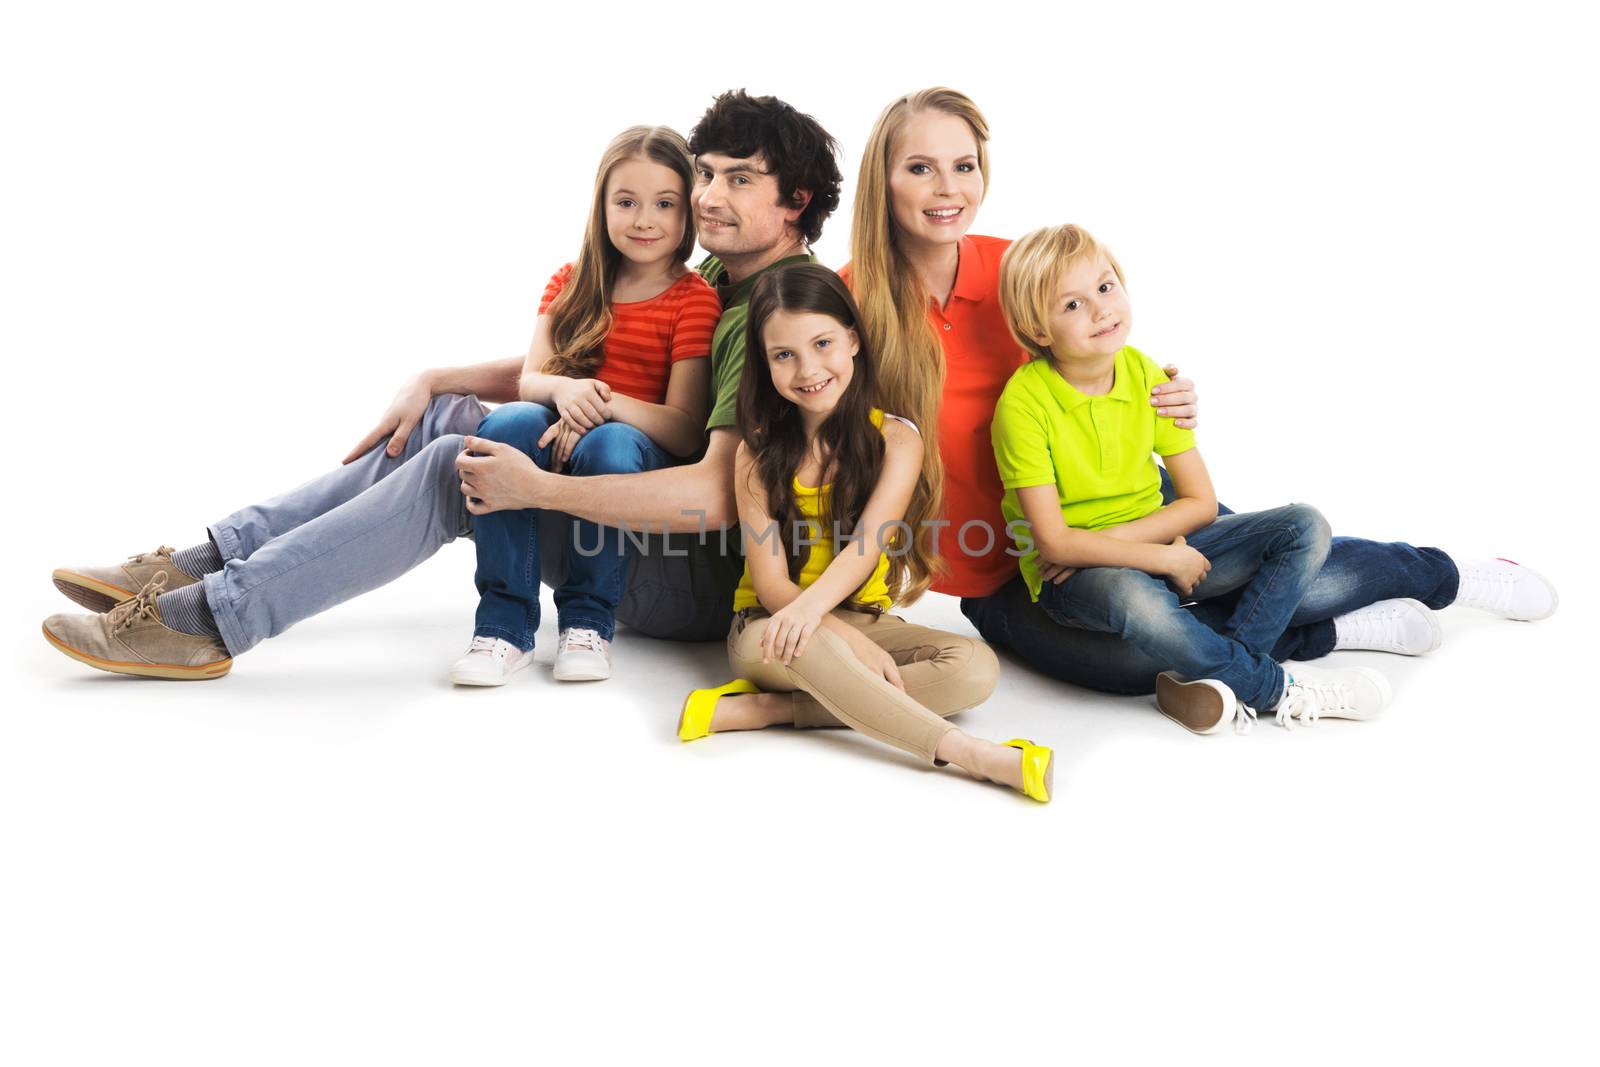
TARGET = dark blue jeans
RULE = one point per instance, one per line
(508, 541)
(1267, 559)
(1356, 573)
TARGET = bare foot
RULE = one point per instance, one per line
(752, 711)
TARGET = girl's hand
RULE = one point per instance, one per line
(559, 429)
(1186, 566)
(788, 631)
(584, 402)
(875, 658)
(566, 439)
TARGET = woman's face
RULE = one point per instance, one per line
(645, 210)
(935, 186)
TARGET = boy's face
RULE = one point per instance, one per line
(1090, 317)
(811, 358)
(737, 207)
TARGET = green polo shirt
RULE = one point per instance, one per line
(728, 342)
(1098, 451)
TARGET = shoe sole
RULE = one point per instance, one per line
(171, 672)
(1193, 705)
(86, 592)
(580, 676)
(1435, 630)
(481, 680)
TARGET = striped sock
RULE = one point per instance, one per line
(186, 611)
(199, 561)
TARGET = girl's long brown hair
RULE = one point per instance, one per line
(847, 440)
(580, 316)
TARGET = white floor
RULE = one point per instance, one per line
(331, 856)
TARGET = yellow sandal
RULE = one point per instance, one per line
(1036, 770)
(700, 705)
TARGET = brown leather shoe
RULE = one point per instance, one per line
(103, 588)
(132, 639)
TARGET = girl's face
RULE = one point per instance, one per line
(935, 186)
(646, 211)
(1090, 317)
(811, 357)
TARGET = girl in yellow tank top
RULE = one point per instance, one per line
(825, 484)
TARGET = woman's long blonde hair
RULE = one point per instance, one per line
(580, 316)
(894, 302)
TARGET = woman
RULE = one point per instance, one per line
(928, 296)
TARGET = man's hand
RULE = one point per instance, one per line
(498, 478)
(1177, 399)
(584, 402)
(405, 411)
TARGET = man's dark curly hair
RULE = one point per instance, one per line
(794, 146)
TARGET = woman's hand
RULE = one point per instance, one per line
(1186, 566)
(789, 630)
(583, 402)
(1177, 399)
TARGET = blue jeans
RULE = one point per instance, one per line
(1267, 559)
(1356, 573)
(508, 541)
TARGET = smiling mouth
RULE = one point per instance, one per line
(808, 390)
(1113, 328)
(644, 240)
(706, 220)
(943, 214)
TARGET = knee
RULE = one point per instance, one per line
(519, 425)
(611, 448)
(976, 678)
(1310, 527)
(453, 413)
(440, 455)
(1129, 599)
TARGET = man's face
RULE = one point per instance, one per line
(737, 207)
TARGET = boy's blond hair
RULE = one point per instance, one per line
(1031, 270)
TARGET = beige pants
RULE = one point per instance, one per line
(943, 673)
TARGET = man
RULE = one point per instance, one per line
(767, 181)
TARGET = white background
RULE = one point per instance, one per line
(231, 230)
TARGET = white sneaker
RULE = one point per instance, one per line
(1506, 588)
(583, 656)
(1204, 705)
(1343, 693)
(1405, 627)
(489, 661)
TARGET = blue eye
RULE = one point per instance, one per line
(741, 180)
(919, 168)
(966, 168)
(824, 343)
(780, 355)
(703, 175)
(665, 205)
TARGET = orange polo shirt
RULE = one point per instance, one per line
(980, 356)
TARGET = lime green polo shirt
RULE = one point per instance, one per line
(1098, 451)
(728, 341)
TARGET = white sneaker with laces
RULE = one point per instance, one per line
(1203, 705)
(1341, 693)
(1506, 588)
(1405, 627)
(489, 661)
(582, 656)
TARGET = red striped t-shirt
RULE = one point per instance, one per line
(648, 336)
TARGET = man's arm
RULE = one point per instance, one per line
(495, 381)
(684, 499)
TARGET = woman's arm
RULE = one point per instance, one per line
(1195, 506)
(678, 424)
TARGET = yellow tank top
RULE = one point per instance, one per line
(815, 504)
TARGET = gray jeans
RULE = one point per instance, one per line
(364, 524)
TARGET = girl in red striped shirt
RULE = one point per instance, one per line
(616, 381)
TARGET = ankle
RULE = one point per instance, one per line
(752, 711)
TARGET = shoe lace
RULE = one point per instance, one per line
(1496, 585)
(145, 557)
(1244, 719)
(581, 639)
(141, 606)
(486, 646)
(1305, 700)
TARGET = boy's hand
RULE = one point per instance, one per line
(1177, 399)
(1055, 573)
(1186, 566)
